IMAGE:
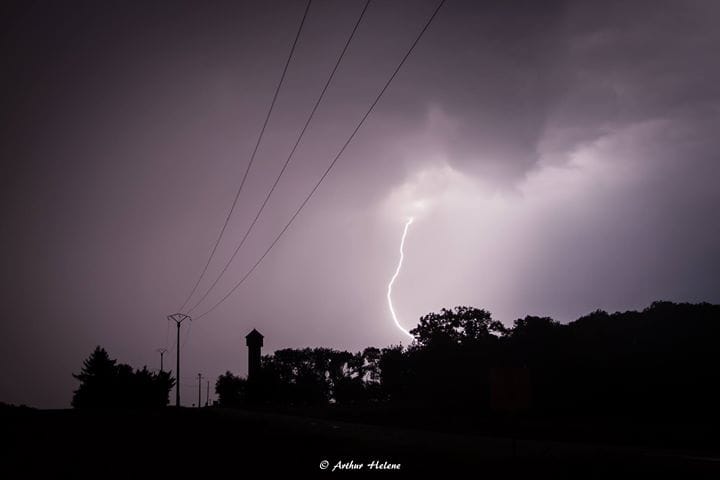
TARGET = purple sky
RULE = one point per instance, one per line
(558, 157)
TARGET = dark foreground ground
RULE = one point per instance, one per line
(213, 443)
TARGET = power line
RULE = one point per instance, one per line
(172, 347)
(167, 335)
(332, 164)
(252, 159)
(289, 158)
(187, 335)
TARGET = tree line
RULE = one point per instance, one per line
(105, 383)
(658, 361)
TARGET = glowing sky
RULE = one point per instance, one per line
(557, 157)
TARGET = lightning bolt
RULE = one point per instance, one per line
(392, 280)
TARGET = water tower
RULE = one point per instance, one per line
(254, 342)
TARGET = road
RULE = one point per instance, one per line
(217, 442)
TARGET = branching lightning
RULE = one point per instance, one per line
(392, 280)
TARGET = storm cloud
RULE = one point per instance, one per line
(558, 157)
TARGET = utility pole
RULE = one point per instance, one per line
(178, 318)
(199, 389)
(162, 352)
(207, 394)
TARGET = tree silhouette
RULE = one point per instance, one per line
(96, 380)
(655, 362)
(231, 390)
(459, 326)
(106, 384)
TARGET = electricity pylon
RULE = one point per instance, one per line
(178, 318)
